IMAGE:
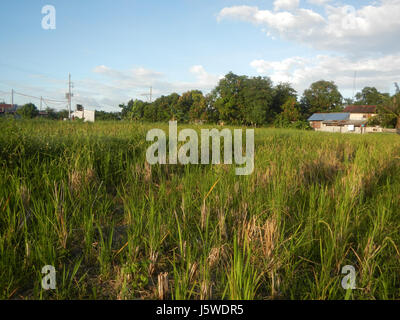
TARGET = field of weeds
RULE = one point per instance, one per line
(82, 198)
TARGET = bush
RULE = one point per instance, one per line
(281, 122)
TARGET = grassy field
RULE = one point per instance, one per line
(81, 197)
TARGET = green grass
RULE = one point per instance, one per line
(82, 198)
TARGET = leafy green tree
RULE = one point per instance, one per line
(348, 101)
(136, 109)
(291, 110)
(168, 106)
(103, 115)
(184, 109)
(370, 96)
(397, 87)
(63, 114)
(291, 117)
(28, 111)
(150, 113)
(198, 108)
(322, 96)
(212, 113)
(389, 112)
(165, 105)
(257, 101)
(282, 92)
(228, 97)
(243, 100)
(126, 109)
(52, 114)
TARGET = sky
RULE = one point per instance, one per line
(116, 50)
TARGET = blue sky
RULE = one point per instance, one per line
(115, 50)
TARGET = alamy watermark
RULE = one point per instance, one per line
(349, 20)
(49, 20)
(349, 281)
(189, 152)
(49, 280)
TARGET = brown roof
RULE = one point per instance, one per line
(5, 106)
(360, 109)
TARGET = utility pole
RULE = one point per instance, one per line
(354, 85)
(149, 95)
(69, 95)
(12, 98)
(41, 99)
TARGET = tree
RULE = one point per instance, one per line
(63, 114)
(165, 105)
(291, 110)
(52, 114)
(28, 111)
(187, 103)
(291, 117)
(135, 109)
(257, 101)
(212, 113)
(228, 97)
(390, 110)
(370, 96)
(243, 100)
(397, 87)
(282, 92)
(198, 108)
(348, 101)
(322, 96)
(103, 115)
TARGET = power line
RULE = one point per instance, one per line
(33, 97)
(46, 101)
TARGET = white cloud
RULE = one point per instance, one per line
(286, 4)
(120, 86)
(204, 79)
(380, 72)
(319, 2)
(342, 28)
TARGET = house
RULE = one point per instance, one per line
(86, 115)
(43, 114)
(342, 122)
(361, 112)
(354, 119)
(8, 108)
(319, 121)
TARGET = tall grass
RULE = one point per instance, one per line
(82, 198)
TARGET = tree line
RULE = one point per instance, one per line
(250, 101)
(256, 101)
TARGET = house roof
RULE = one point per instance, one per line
(335, 116)
(360, 109)
(6, 106)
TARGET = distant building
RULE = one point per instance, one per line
(353, 121)
(8, 108)
(361, 112)
(43, 114)
(86, 115)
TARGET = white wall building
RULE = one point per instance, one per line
(86, 115)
